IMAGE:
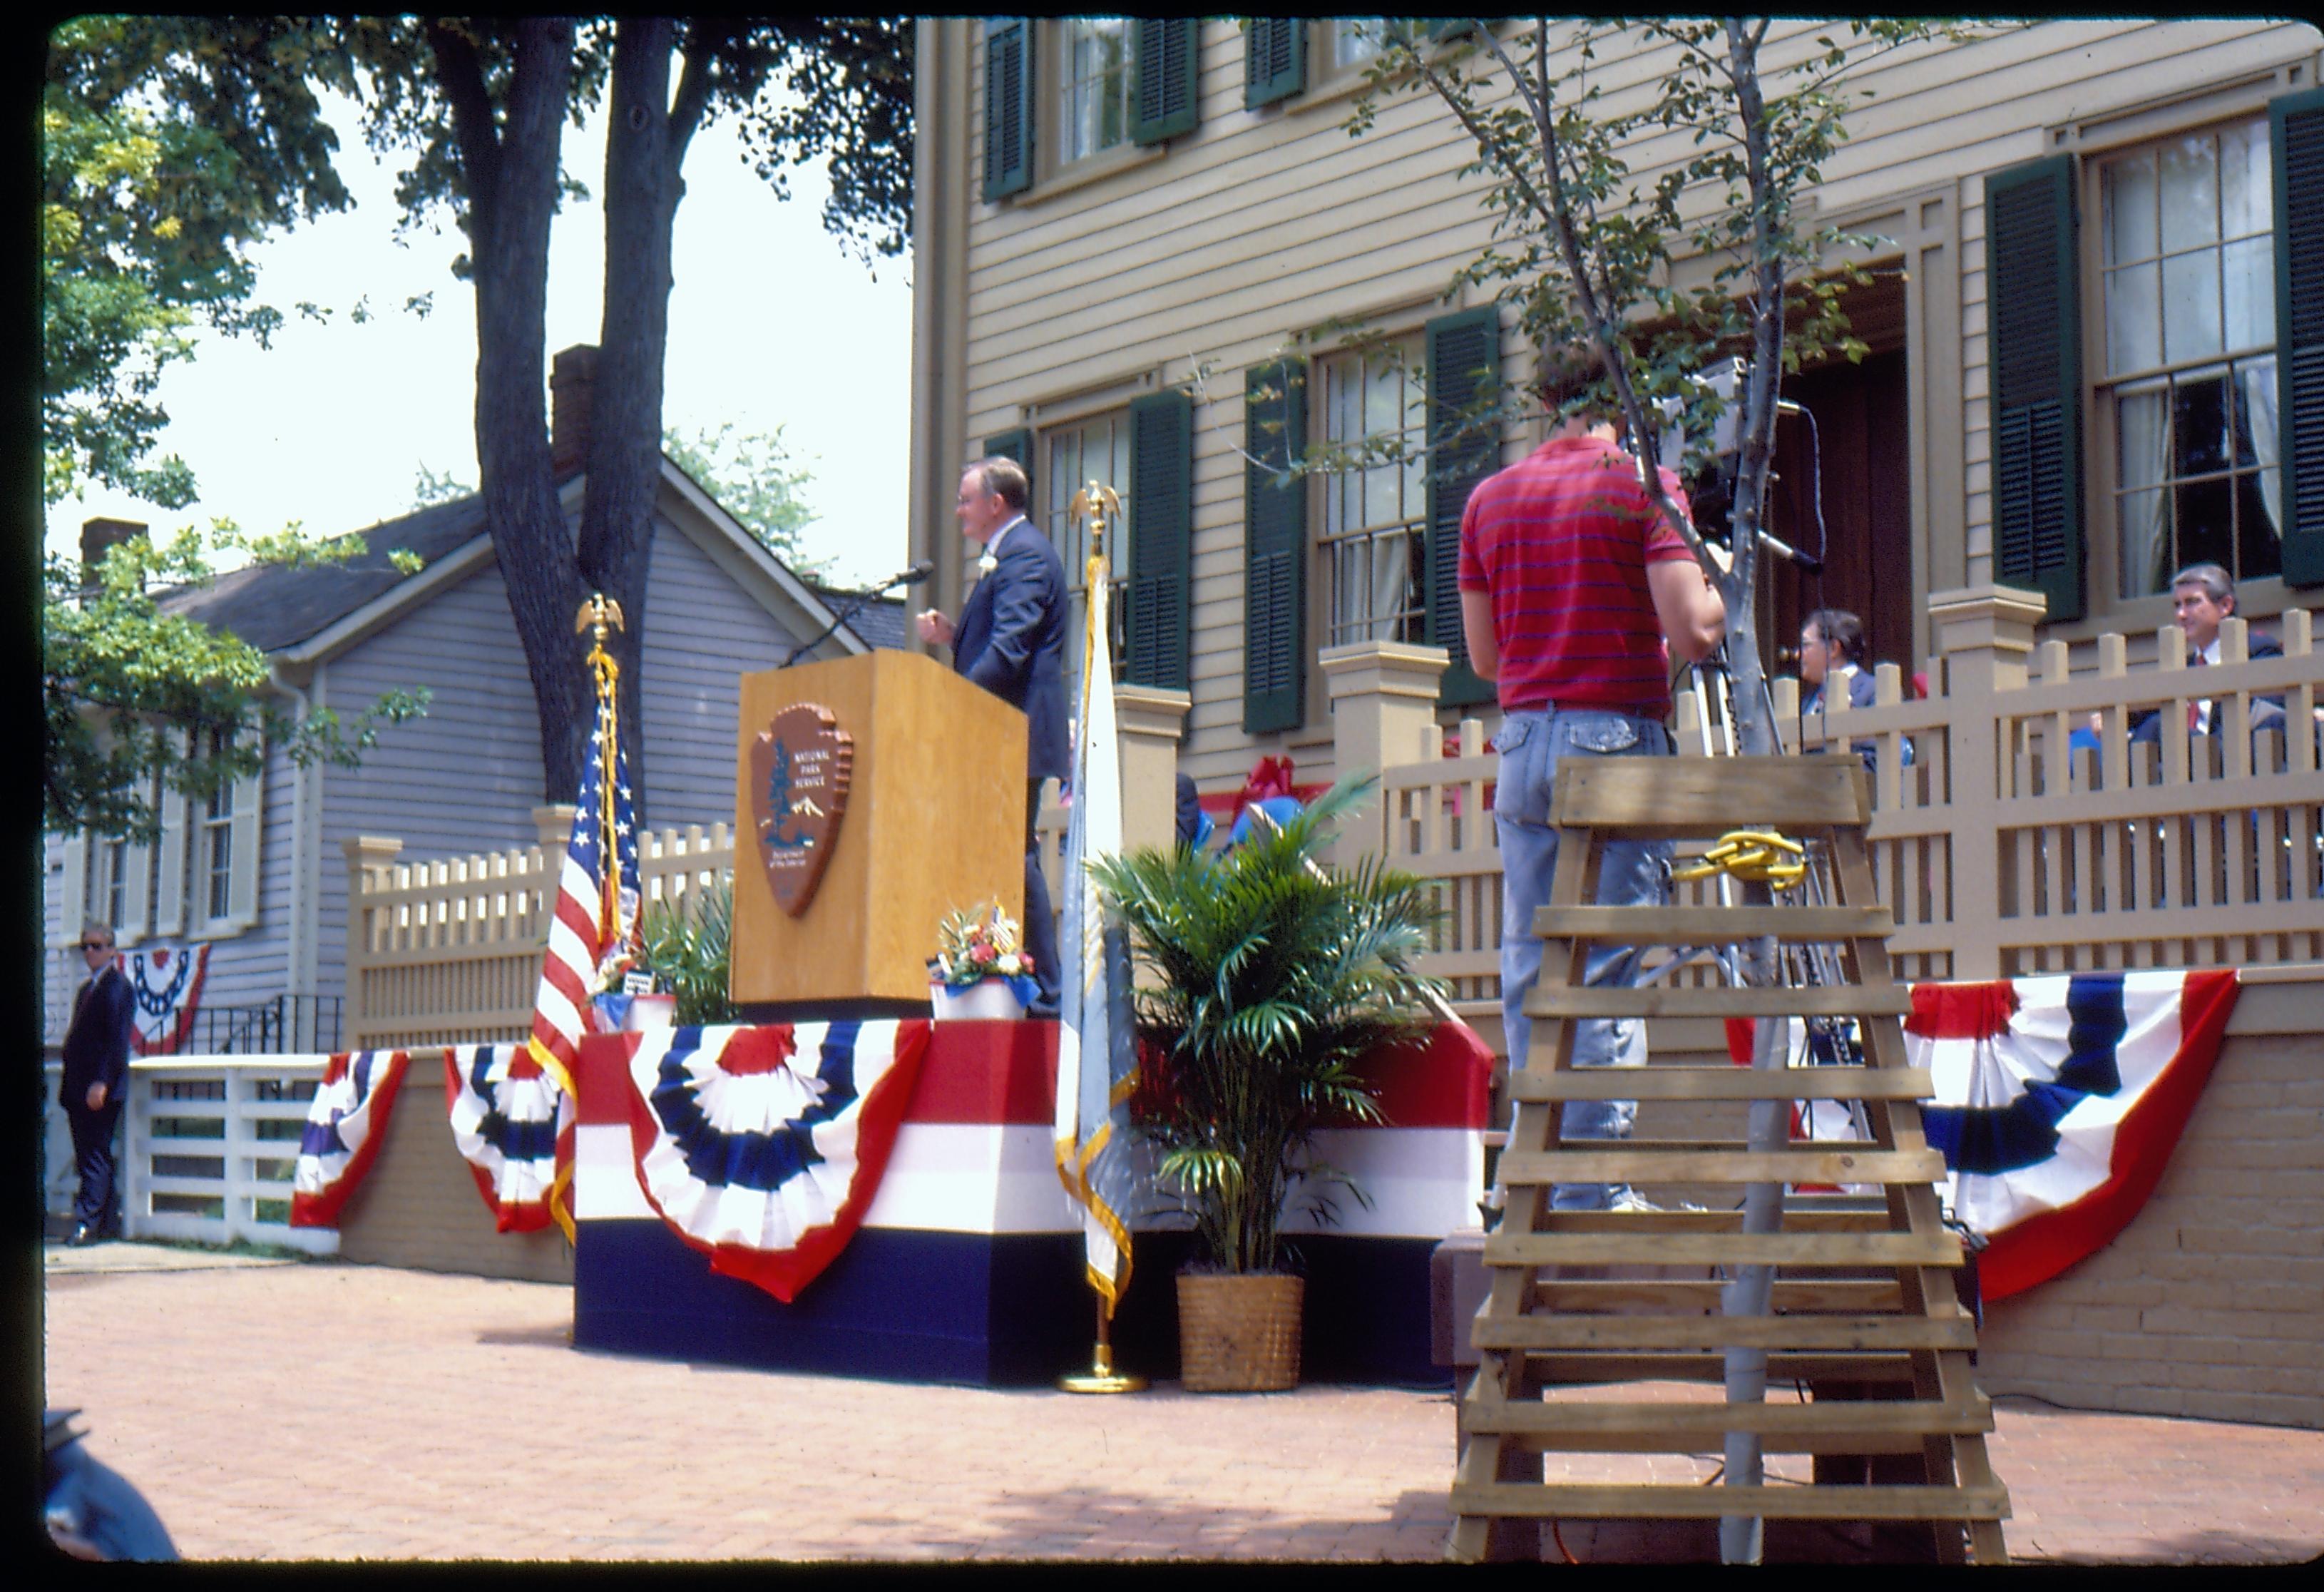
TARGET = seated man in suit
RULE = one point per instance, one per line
(1011, 641)
(2202, 598)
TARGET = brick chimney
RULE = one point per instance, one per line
(572, 375)
(101, 537)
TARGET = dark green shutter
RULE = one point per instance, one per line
(1274, 548)
(1007, 105)
(1274, 60)
(2032, 266)
(2296, 130)
(1161, 537)
(1017, 444)
(1170, 49)
(1464, 363)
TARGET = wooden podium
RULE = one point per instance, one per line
(929, 819)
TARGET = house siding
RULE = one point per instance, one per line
(1263, 224)
(701, 635)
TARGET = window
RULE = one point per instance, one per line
(1353, 39)
(113, 882)
(1099, 84)
(1372, 517)
(2187, 370)
(1062, 91)
(214, 869)
(1095, 449)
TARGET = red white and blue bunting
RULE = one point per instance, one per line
(346, 1124)
(763, 1147)
(168, 984)
(2058, 1102)
(514, 1128)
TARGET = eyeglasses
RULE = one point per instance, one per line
(94, 945)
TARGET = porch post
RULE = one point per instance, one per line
(1383, 716)
(1151, 721)
(369, 857)
(1984, 635)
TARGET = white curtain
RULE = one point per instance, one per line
(2144, 442)
(2256, 385)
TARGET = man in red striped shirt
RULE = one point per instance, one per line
(1570, 581)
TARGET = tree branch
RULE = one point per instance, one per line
(461, 75)
(694, 90)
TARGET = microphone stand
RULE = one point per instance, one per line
(862, 599)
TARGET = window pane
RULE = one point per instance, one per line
(2134, 316)
(2249, 271)
(2127, 195)
(1391, 566)
(2142, 442)
(2199, 426)
(2256, 426)
(2190, 192)
(2205, 529)
(1351, 40)
(2146, 563)
(2190, 307)
(2259, 543)
(2246, 196)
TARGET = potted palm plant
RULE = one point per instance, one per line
(687, 946)
(1270, 977)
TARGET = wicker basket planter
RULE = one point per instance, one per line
(1239, 1334)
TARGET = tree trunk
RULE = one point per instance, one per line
(513, 192)
(644, 148)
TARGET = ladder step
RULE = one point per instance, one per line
(1625, 798)
(1674, 1294)
(1521, 1168)
(1715, 925)
(1580, 1369)
(1650, 1501)
(1707, 1221)
(1820, 1000)
(1937, 1248)
(1803, 1333)
(1720, 1083)
(1696, 1419)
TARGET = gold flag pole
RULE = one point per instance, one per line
(1098, 505)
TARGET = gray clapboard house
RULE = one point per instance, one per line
(258, 874)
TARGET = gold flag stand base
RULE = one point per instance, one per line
(1101, 1378)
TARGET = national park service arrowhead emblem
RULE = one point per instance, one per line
(799, 769)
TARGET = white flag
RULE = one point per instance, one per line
(1097, 1039)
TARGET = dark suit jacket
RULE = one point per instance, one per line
(97, 1040)
(1011, 641)
(2148, 726)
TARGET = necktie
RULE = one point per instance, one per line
(2195, 710)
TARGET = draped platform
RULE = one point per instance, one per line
(966, 1266)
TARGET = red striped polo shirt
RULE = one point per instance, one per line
(1562, 539)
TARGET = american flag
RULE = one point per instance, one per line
(594, 920)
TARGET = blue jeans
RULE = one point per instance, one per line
(1630, 873)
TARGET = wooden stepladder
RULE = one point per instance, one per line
(1862, 1291)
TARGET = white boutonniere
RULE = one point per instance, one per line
(987, 564)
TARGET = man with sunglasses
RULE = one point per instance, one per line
(96, 1077)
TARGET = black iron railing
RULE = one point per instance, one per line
(287, 1024)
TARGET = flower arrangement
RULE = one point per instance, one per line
(977, 944)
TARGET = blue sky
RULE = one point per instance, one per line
(770, 325)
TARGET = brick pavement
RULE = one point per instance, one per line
(255, 1405)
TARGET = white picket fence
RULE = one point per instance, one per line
(208, 1148)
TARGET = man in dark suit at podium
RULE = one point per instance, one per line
(1011, 641)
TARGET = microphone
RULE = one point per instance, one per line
(1807, 562)
(913, 575)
